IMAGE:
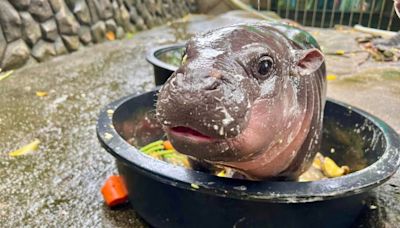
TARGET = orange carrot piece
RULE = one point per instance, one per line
(168, 145)
(114, 191)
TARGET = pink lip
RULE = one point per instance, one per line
(186, 132)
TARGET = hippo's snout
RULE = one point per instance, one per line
(205, 101)
(201, 83)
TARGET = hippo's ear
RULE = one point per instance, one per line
(307, 61)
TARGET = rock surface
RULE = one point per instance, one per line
(3, 43)
(10, 21)
(81, 11)
(43, 50)
(104, 9)
(66, 22)
(31, 29)
(40, 10)
(99, 31)
(111, 25)
(15, 55)
(20, 4)
(49, 30)
(56, 5)
(71, 42)
(85, 35)
(34, 20)
(92, 9)
(60, 47)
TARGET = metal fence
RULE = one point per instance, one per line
(327, 13)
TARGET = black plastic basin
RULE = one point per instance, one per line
(164, 60)
(170, 196)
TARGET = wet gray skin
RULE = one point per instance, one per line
(247, 97)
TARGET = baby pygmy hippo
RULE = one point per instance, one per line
(249, 97)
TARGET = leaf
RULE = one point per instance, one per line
(31, 147)
(110, 36)
(41, 93)
(5, 74)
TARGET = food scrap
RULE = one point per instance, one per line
(114, 191)
(31, 147)
(322, 167)
(163, 150)
(5, 74)
(41, 93)
(195, 186)
(110, 36)
(331, 77)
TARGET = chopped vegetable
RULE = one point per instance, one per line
(41, 93)
(110, 36)
(161, 153)
(168, 145)
(153, 149)
(33, 146)
(195, 186)
(340, 52)
(331, 77)
(331, 169)
(114, 191)
(322, 167)
(222, 173)
(151, 145)
(5, 74)
(163, 150)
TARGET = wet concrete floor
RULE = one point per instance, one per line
(59, 184)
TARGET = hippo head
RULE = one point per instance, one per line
(241, 99)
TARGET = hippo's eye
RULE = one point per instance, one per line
(265, 66)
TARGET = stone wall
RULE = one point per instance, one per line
(36, 30)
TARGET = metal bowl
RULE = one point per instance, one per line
(171, 196)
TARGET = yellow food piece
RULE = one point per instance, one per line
(312, 174)
(184, 59)
(222, 173)
(33, 146)
(331, 169)
(318, 160)
(195, 186)
(5, 74)
(340, 52)
(331, 77)
(41, 93)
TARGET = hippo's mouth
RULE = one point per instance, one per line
(190, 133)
